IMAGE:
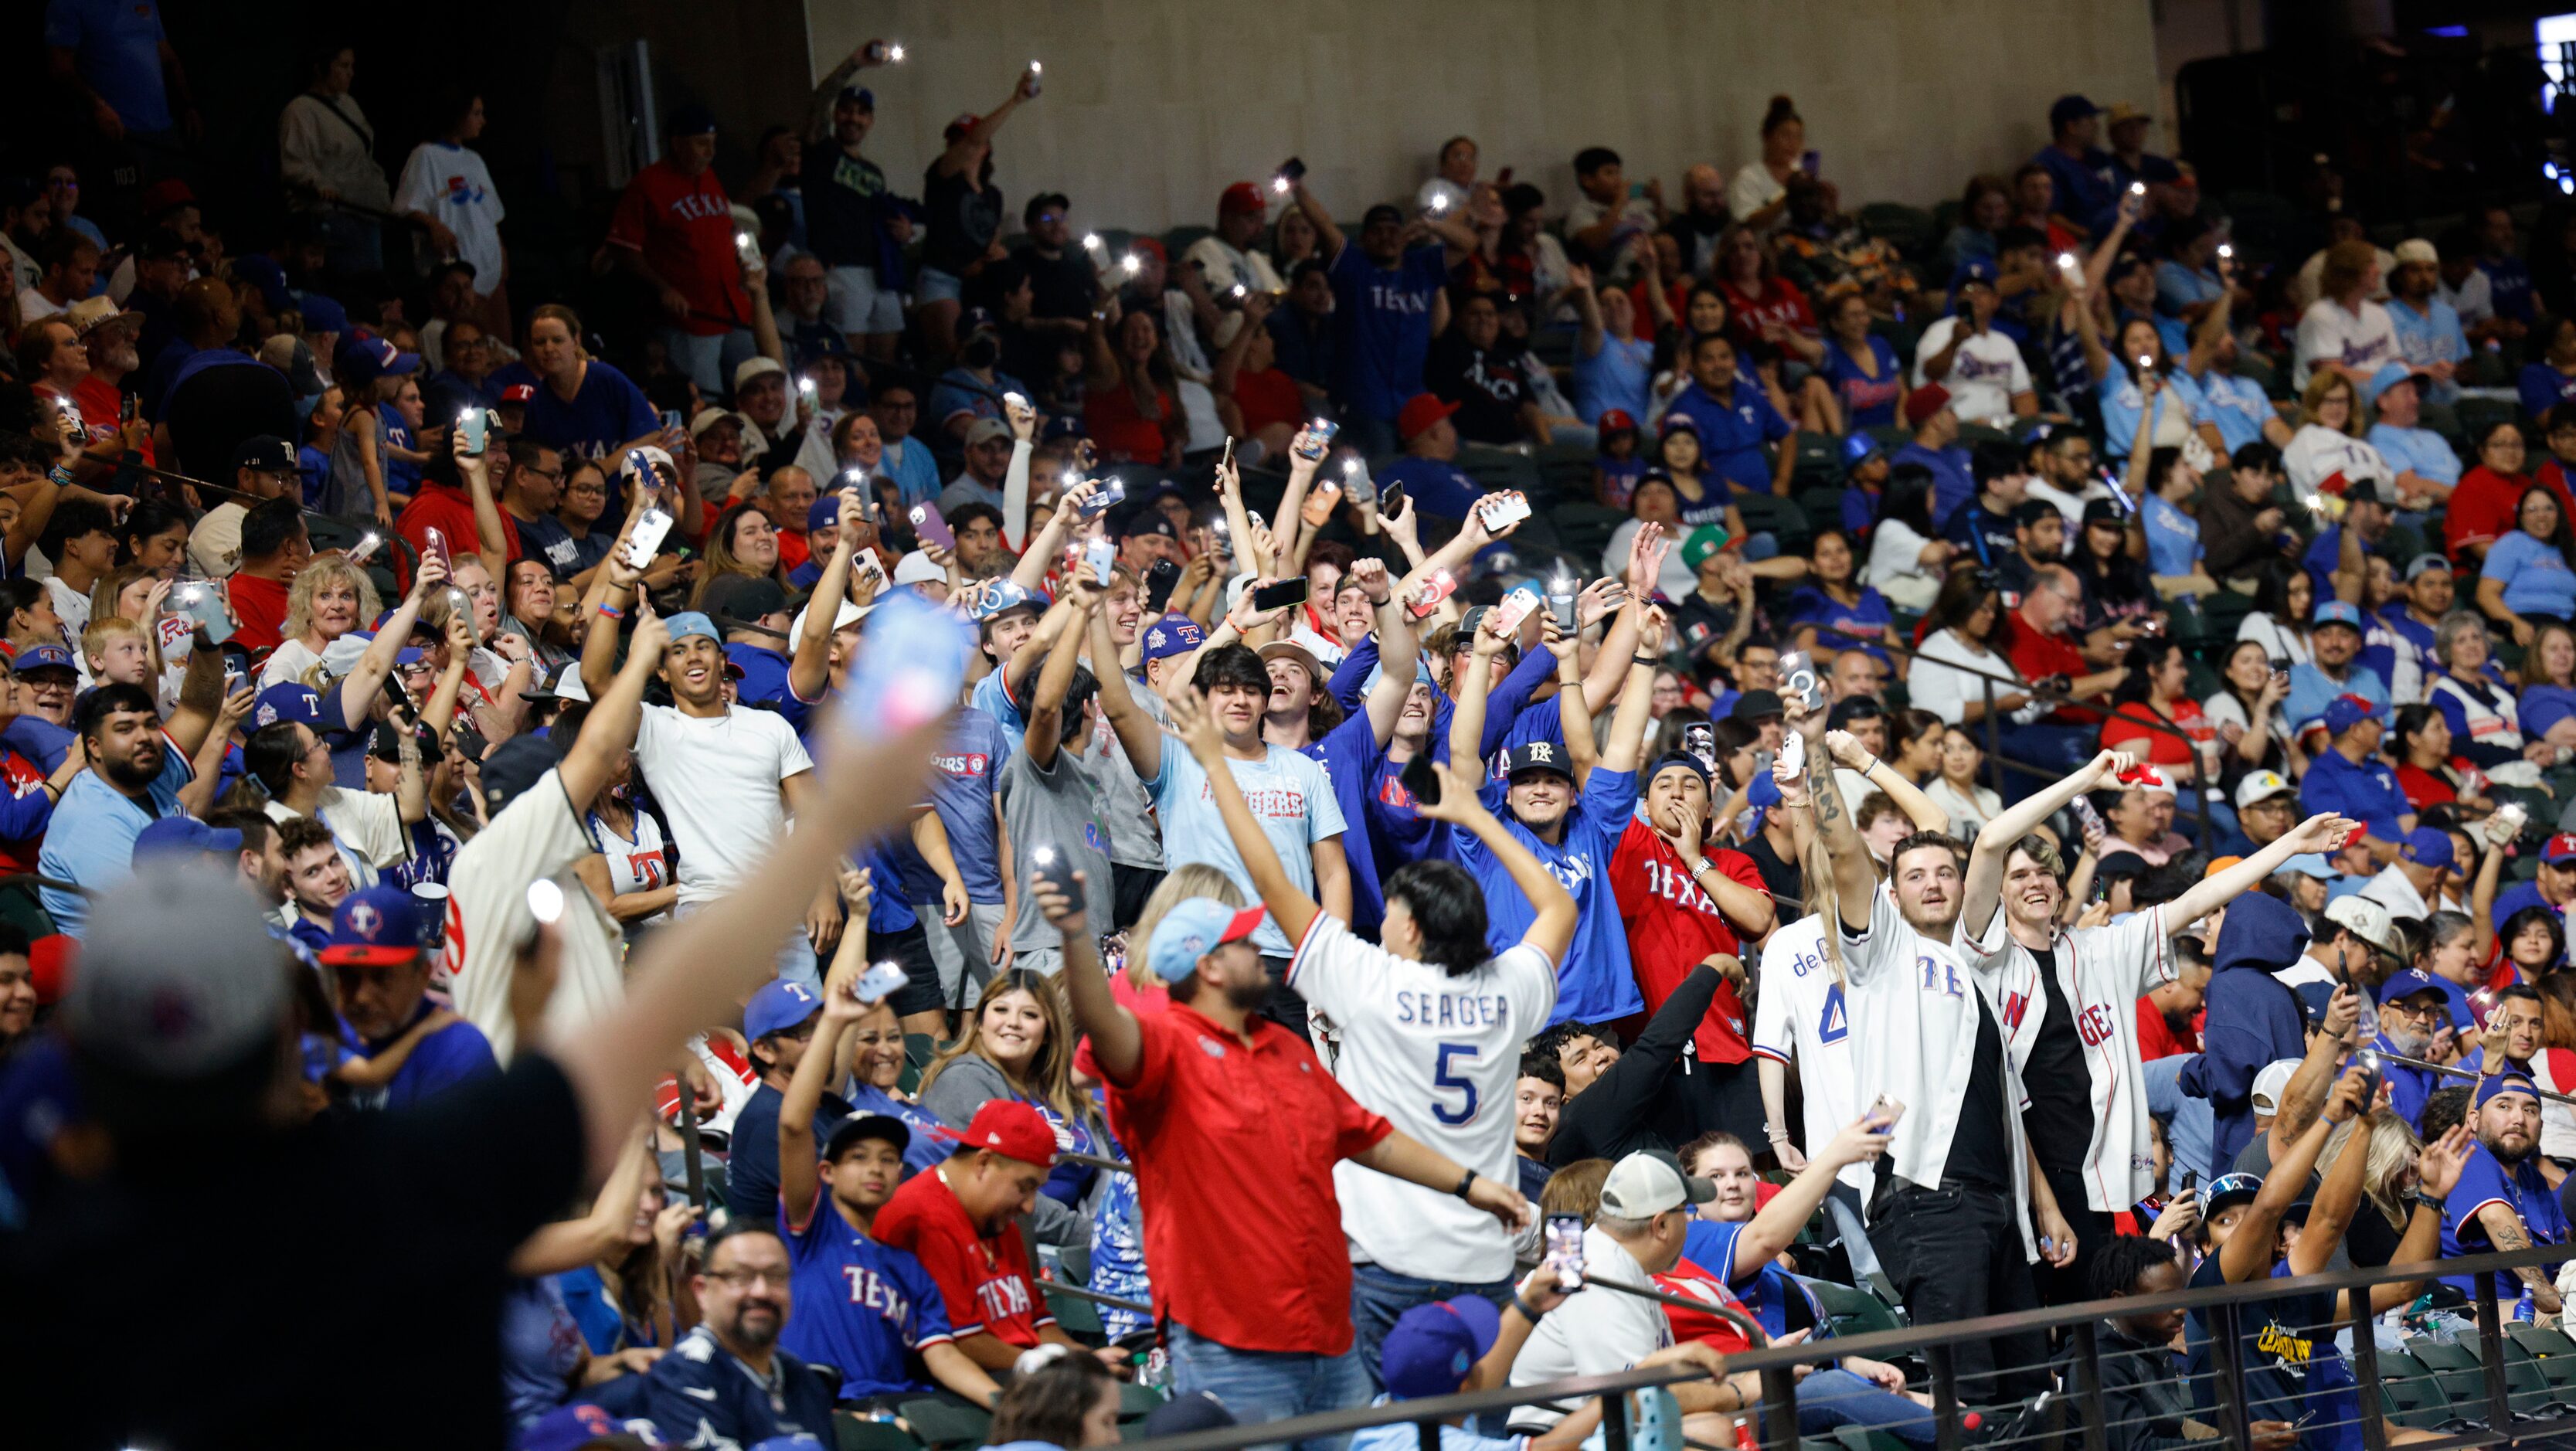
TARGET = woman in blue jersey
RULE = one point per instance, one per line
(1867, 379)
(1833, 610)
(582, 406)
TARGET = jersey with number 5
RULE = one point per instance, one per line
(1800, 1013)
(1437, 1054)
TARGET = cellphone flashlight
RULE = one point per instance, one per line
(1279, 184)
(2227, 249)
(1038, 69)
(2066, 260)
(805, 385)
(1440, 203)
(742, 239)
(2145, 362)
(545, 901)
(1015, 400)
(895, 53)
(1131, 264)
(1238, 289)
(1091, 241)
(2137, 188)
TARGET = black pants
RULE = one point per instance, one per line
(1285, 1007)
(1956, 1254)
(2092, 1230)
(1133, 886)
(909, 949)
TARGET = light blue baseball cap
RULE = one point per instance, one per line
(689, 623)
(1192, 930)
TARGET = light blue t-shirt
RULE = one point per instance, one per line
(1595, 983)
(1618, 376)
(2178, 287)
(1289, 796)
(2121, 406)
(2429, 337)
(1405, 1436)
(91, 838)
(2420, 450)
(2536, 577)
(2312, 690)
(2173, 538)
(2237, 405)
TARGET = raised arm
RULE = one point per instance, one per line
(1138, 733)
(1855, 878)
(1289, 905)
(1984, 888)
(1636, 700)
(1116, 1043)
(609, 730)
(1467, 713)
(1045, 735)
(475, 471)
(800, 1181)
(2316, 834)
(1326, 234)
(1398, 651)
(2249, 1251)
(1779, 1222)
(1846, 750)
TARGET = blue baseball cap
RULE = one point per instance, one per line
(287, 701)
(2344, 712)
(570, 1427)
(2504, 1083)
(1000, 596)
(263, 272)
(824, 512)
(43, 657)
(2389, 376)
(2229, 1190)
(322, 315)
(2311, 864)
(2070, 108)
(365, 357)
(1977, 270)
(2336, 612)
(1859, 449)
(779, 1004)
(692, 624)
(1172, 635)
(2314, 999)
(691, 119)
(1192, 930)
(375, 926)
(1430, 1348)
(2427, 846)
(861, 96)
(174, 836)
(2403, 985)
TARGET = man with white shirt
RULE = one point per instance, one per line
(1226, 258)
(729, 776)
(1988, 380)
(2412, 885)
(1645, 1213)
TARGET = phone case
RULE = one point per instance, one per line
(1285, 592)
(913, 667)
(1514, 609)
(879, 982)
(646, 541)
(1499, 517)
(1430, 593)
(475, 424)
(1107, 495)
(434, 546)
(1102, 556)
(932, 527)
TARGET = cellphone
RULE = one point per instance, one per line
(1564, 1252)
(1427, 597)
(1887, 1110)
(1793, 752)
(132, 408)
(1285, 592)
(746, 249)
(1391, 499)
(1500, 516)
(1798, 671)
(671, 421)
(1515, 608)
(1228, 461)
(1812, 163)
(1319, 503)
(1055, 869)
(913, 667)
(1292, 170)
(476, 425)
(1102, 556)
(1159, 583)
(650, 531)
(879, 981)
(434, 546)
(876, 52)
(2087, 820)
(1421, 778)
(200, 603)
(1700, 739)
(2190, 1180)
(545, 900)
(1106, 494)
(932, 527)
(1561, 605)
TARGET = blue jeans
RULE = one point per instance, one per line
(710, 361)
(1380, 1296)
(1836, 1397)
(1269, 1385)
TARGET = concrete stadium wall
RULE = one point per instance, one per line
(1151, 108)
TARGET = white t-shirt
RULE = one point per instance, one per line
(1896, 558)
(452, 184)
(73, 606)
(2316, 452)
(717, 778)
(537, 835)
(1945, 691)
(1984, 374)
(1289, 795)
(1595, 1333)
(2279, 643)
(1438, 1055)
(1800, 1014)
(1752, 188)
(368, 825)
(2329, 334)
(287, 664)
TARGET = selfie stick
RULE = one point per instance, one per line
(2545, 1094)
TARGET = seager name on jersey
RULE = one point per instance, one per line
(1452, 1010)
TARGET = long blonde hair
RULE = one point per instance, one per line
(2383, 1174)
(1051, 1075)
(2321, 386)
(331, 567)
(1189, 879)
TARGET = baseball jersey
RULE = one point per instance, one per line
(539, 834)
(1801, 1013)
(700, 1395)
(1673, 926)
(1437, 1054)
(985, 1282)
(860, 1304)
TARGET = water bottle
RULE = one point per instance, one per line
(2522, 1307)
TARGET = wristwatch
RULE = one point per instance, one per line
(2427, 1201)
(1461, 1190)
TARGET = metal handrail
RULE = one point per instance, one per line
(1777, 1363)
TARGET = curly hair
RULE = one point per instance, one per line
(332, 567)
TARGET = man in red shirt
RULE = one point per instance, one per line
(1684, 906)
(458, 503)
(674, 231)
(107, 337)
(956, 1220)
(2065, 738)
(2169, 1014)
(274, 548)
(1234, 1129)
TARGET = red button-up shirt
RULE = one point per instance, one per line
(1234, 1146)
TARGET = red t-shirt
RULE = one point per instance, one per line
(2423, 788)
(1748, 313)
(1267, 397)
(1673, 926)
(2038, 655)
(1691, 1281)
(2130, 723)
(1234, 1145)
(259, 605)
(986, 1282)
(450, 511)
(2157, 1040)
(2483, 507)
(794, 549)
(684, 226)
(102, 408)
(1124, 433)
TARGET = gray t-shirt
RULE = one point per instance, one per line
(1135, 833)
(1059, 809)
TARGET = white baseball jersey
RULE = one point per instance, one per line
(1801, 1014)
(1438, 1054)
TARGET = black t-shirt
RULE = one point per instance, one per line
(214, 409)
(1974, 523)
(1702, 624)
(751, 1162)
(277, 1291)
(1781, 878)
(1061, 286)
(1483, 382)
(963, 220)
(845, 202)
(2059, 1121)
(1981, 1149)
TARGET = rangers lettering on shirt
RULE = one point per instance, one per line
(1940, 977)
(1280, 803)
(699, 206)
(2094, 1026)
(962, 763)
(1388, 298)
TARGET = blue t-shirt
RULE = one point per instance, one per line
(1767, 1293)
(1868, 399)
(2509, 287)
(926, 1149)
(2484, 1181)
(916, 473)
(2085, 191)
(699, 1395)
(541, 1347)
(544, 537)
(1382, 325)
(457, 1053)
(2429, 337)
(1350, 754)
(2543, 387)
(2178, 287)
(2536, 578)
(2292, 1368)
(1732, 431)
(2238, 405)
(961, 791)
(1441, 490)
(960, 391)
(116, 47)
(2417, 450)
(1289, 795)
(1595, 983)
(1618, 376)
(91, 840)
(401, 476)
(2312, 690)
(861, 1305)
(608, 411)
(751, 1165)
(2544, 706)
(2368, 793)
(2173, 538)
(1952, 483)
(1840, 626)
(2123, 402)
(764, 674)
(989, 697)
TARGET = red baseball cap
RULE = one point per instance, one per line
(518, 393)
(1616, 418)
(1011, 1129)
(2559, 850)
(1153, 245)
(1923, 402)
(1243, 196)
(1420, 412)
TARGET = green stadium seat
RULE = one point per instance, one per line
(1849, 1311)
(942, 1424)
(1075, 1315)
(1136, 1402)
(1908, 228)
(1782, 517)
(852, 1432)
(2409, 1395)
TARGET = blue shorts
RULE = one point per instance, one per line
(934, 285)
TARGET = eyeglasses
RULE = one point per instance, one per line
(745, 1279)
(2417, 1011)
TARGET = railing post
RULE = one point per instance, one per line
(1426, 1435)
(2491, 1354)
(2088, 1385)
(1614, 1422)
(2365, 1368)
(1780, 1409)
(1945, 1395)
(1994, 732)
(2236, 1418)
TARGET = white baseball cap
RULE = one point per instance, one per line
(1648, 1183)
(176, 1016)
(917, 568)
(2261, 786)
(850, 615)
(2368, 920)
(2271, 1083)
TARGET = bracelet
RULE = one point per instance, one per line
(1528, 1314)
(1775, 1133)
(611, 611)
(1646, 660)
(1461, 1190)
(1874, 764)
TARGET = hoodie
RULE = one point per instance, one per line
(2253, 1018)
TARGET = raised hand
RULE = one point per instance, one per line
(1195, 728)
(2321, 833)
(2437, 1168)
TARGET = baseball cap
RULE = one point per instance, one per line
(2103, 511)
(375, 926)
(2122, 111)
(182, 836)
(1430, 1348)
(1172, 635)
(1243, 196)
(2344, 712)
(1291, 650)
(860, 96)
(1676, 760)
(286, 701)
(2262, 786)
(848, 615)
(2425, 564)
(690, 119)
(1145, 521)
(365, 357)
(1009, 1128)
(985, 430)
(2504, 1083)
(2271, 1082)
(1704, 541)
(2030, 511)
(1381, 213)
(1614, 419)
(1977, 270)
(2558, 851)
(1420, 412)
(266, 452)
(692, 624)
(2229, 1190)
(137, 1005)
(2416, 249)
(2389, 376)
(2218, 864)
(883, 1126)
(2311, 864)
(1752, 705)
(1193, 929)
(2368, 920)
(2337, 612)
(706, 418)
(1859, 449)
(515, 765)
(743, 598)
(43, 657)
(518, 393)
(998, 597)
(2314, 999)
(755, 367)
(2427, 846)
(780, 1003)
(823, 513)
(1648, 1183)
(1537, 756)
(2403, 985)
(2070, 108)
(323, 314)
(1923, 402)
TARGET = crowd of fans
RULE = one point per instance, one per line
(693, 885)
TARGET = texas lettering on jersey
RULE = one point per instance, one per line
(872, 1291)
(1003, 1297)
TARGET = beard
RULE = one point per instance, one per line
(2409, 1042)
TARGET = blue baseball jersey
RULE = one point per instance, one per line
(961, 789)
(700, 1396)
(457, 1053)
(1383, 319)
(1595, 983)
(861, 1305)
(1767, 1293)
(2484, 1180)
(1732, 431)
(2367, 793)
(606, 411)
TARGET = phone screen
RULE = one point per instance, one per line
(1421, 778)
(1564, 1244)
(1285, 592)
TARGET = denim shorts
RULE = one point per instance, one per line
(933, 285)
